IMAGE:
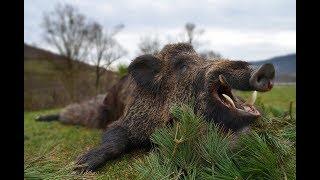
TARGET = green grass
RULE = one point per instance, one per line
(51, 148)
(195, 149)
(279, 97)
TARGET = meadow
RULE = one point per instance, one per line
(51, 148)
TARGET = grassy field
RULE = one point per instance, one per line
(279, 97)
(51, 148)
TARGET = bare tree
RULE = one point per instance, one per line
(66, 29)
(190, 31)
(105, 49)
(190, 34)
(210, 54)
(149, 45)
(193, 34)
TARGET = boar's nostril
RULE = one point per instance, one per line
(261, 80)
(268, 70)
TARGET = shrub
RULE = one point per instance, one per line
(122, 70)
(194, 149)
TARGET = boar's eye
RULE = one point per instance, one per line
(180, 65)
(183, 68)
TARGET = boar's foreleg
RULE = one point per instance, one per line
(115, 143)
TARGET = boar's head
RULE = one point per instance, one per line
(177, 74)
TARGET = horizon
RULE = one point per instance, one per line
(288, 54)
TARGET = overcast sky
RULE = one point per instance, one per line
(237, 29)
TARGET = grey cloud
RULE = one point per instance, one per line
(264, 16)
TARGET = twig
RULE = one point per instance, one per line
(290, 110)
(177, 141)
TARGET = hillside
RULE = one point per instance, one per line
(285, 67)
(32, 53)
(46, 84)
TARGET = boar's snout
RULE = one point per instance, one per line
(262, 78)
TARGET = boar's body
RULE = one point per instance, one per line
(89, 113)
(140, 103)
(98, 111)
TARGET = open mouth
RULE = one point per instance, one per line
(224, 95)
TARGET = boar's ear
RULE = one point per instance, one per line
(145, 71)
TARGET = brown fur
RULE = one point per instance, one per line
(104, 109)
(99, 111)
(146, 110)
(141, 101)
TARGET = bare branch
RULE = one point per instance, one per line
(105, 49)
(149, 45)
(67, 30)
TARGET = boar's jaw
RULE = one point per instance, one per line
(223, 94)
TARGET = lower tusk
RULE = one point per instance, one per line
(252, 99)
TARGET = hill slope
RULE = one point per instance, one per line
(285, 67)
(46, 84)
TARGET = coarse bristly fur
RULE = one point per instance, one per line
(140, 103)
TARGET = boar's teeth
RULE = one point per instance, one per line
(229, 100)
(252, 98)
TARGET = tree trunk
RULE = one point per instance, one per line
(97, 79)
